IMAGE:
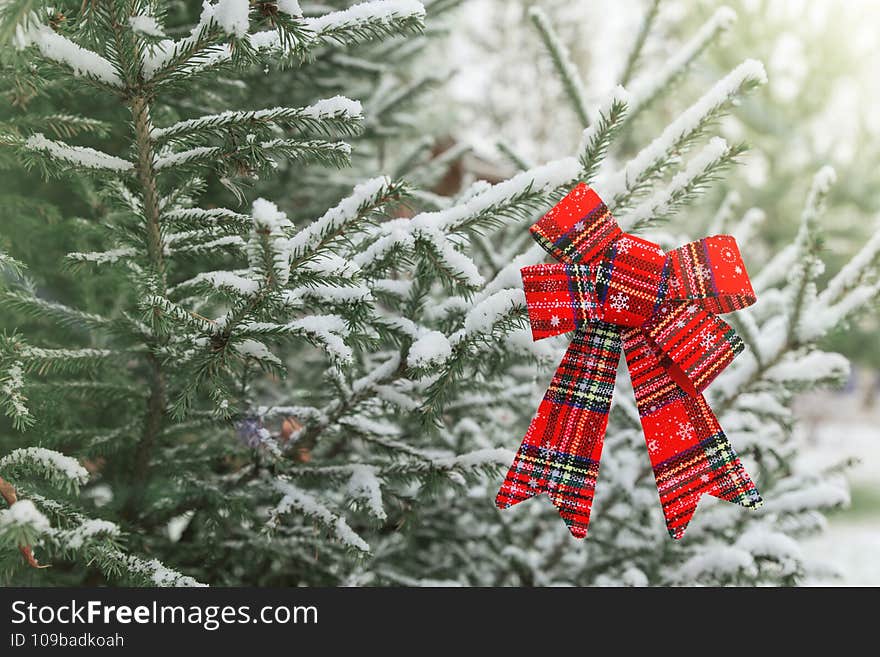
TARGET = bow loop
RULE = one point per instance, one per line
(577, 230)
(559, 297)
(711, 273)
(693, 345)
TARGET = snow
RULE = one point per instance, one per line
(146, 24)
(11, 385)
(432, 227)
(853, 271)
(55, 461)
(775, 270)
(823, 318)
(404, 325)
(366, 12)
(103, 257)
(379, 373)
(449, 306)
(814, 366)
(330, 264)
(320, 326)
(289, 7)
(176, 159)
(397, 287)
(432, 348)
(365, 485)
(371, 427)
(394, 396)
(38, 353)
(546, 177)
(265, 40)
(489, 456)
(452, 259)
(632, 576)
(75, 538)
(379, 10)
(232, 16)
(397, 232)
(849, 550)
(340, 293)
(764, 403)
(716, 562)
(330, 293)
(258, 350)
(296, 498)
(520, 340)
(79, 155)
(482, 317)
(335, 106)
(762, 542)
(160, 574)
(648, 86)
(309, 238)
(510, 275)
(830, 493)
(224, 280)
(268, 218)
(83, 62)
(659, 203)
(267, 215)
(824, 180)
(24, 514)
(742, 232)
(616, 186)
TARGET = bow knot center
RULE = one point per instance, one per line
(628, 281)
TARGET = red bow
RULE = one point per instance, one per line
(615, 288)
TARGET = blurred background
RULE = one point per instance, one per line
(819, 108)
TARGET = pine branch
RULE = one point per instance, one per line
(684, 187)
(61, 471)
(368, 199)
(64, 361)
(15, 15)
(565, 67)
(327, 117)
(221, 220)
(12, 397)
(312, 508)
(719, 223)
(648, 87)
(34, 306)
(801, 279)
(635, 52)
(653, 160)
(68, 55)
(517, 159)
(56, 157)
(598, 137)
(371, 22)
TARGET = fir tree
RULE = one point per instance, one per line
(247, 375)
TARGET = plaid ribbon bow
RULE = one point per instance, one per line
(616, 289)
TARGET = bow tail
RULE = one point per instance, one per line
(690, 454)
(562, 447)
